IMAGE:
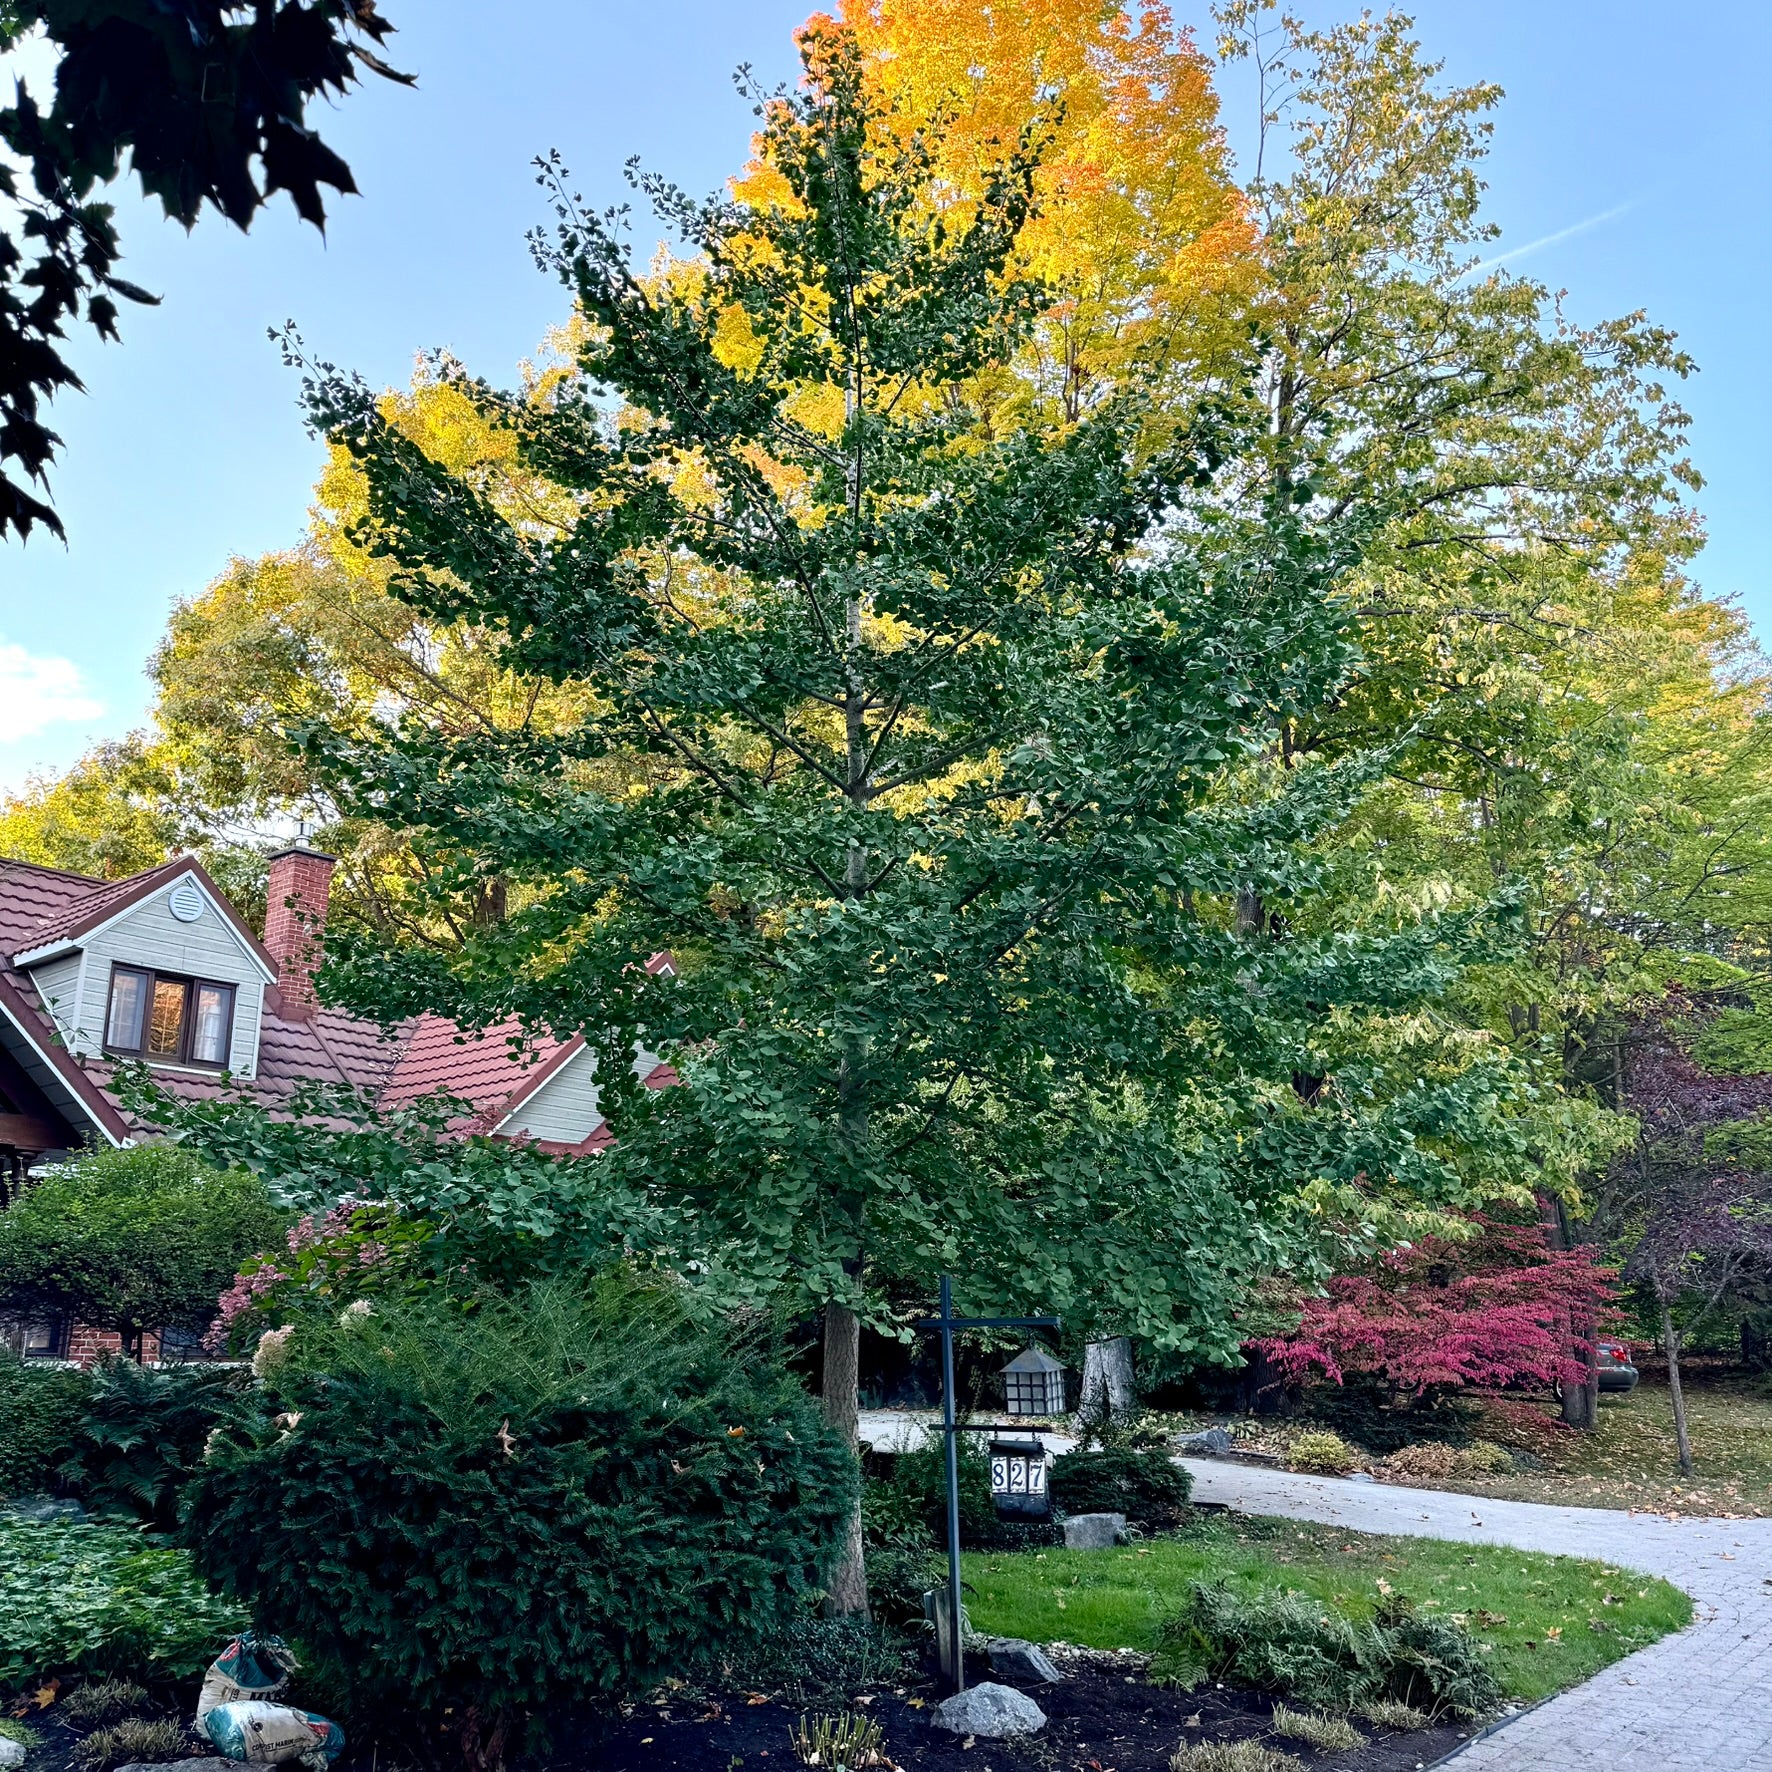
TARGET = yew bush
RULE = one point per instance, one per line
(468, 1515)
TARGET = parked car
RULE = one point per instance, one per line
(1616, 1371)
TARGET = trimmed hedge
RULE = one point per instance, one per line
(1143, 1483)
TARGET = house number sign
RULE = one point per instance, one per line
(1018, 1474)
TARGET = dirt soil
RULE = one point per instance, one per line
(1100, 1720)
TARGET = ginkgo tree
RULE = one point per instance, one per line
(934, 748)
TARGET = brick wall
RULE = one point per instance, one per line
(87, 1346)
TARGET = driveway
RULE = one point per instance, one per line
(1699, 1701)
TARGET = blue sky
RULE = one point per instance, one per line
(1628, 169)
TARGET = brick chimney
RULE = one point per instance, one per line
(295, 924)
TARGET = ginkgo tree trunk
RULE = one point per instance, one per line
(930, 739)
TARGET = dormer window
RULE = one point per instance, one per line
(169, 1020)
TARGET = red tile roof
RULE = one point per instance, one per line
(30, 898)
(490, 1069)
(494, 1069)
(34, 898)
(80, 913)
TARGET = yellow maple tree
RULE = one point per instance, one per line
(1140, 232)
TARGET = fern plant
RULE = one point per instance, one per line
(1300, 1647)
(141, 1436)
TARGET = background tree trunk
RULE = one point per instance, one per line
(1108, 1388)
(1670, 1341)
(847, 1595)
(1580, 1399)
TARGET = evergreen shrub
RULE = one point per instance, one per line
(1142, 1482)
(498, 1504)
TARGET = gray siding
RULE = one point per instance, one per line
(58, 984)
(150, 935)
(564, 1108)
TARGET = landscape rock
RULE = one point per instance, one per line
(209, 1763)
(991, 1712)
(1361, 1477)
(1208, 1440)
(41, 1508)
(1017, 1659)
(1094, 1531)
(12, 1753)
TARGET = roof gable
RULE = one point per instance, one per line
(79, 919)
(49, 911)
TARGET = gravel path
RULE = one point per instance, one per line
(1698, 1701)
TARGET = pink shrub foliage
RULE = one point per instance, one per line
(331, 1256)
(1489, 1314)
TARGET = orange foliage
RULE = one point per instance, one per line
(1141, 231)
(1140, 226)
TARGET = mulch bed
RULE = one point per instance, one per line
(1099, 1720)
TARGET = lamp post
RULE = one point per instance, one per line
(947, 1325)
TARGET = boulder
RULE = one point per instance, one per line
(210, 1763)
(1208, 1442)
(991, 1712)
(1017, 1659)
(12, 1753)
(39, 1509)
(1094, 1531)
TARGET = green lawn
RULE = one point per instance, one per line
(1553, 1621)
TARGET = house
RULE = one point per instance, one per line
(160, 968)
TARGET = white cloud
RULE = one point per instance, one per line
(37, 692)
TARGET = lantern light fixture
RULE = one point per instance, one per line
(1033, 1384)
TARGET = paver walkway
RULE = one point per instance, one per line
(1698, 1701)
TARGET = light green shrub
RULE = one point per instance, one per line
(1327, 1454)
(132, 1240)
(1485, 1458)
